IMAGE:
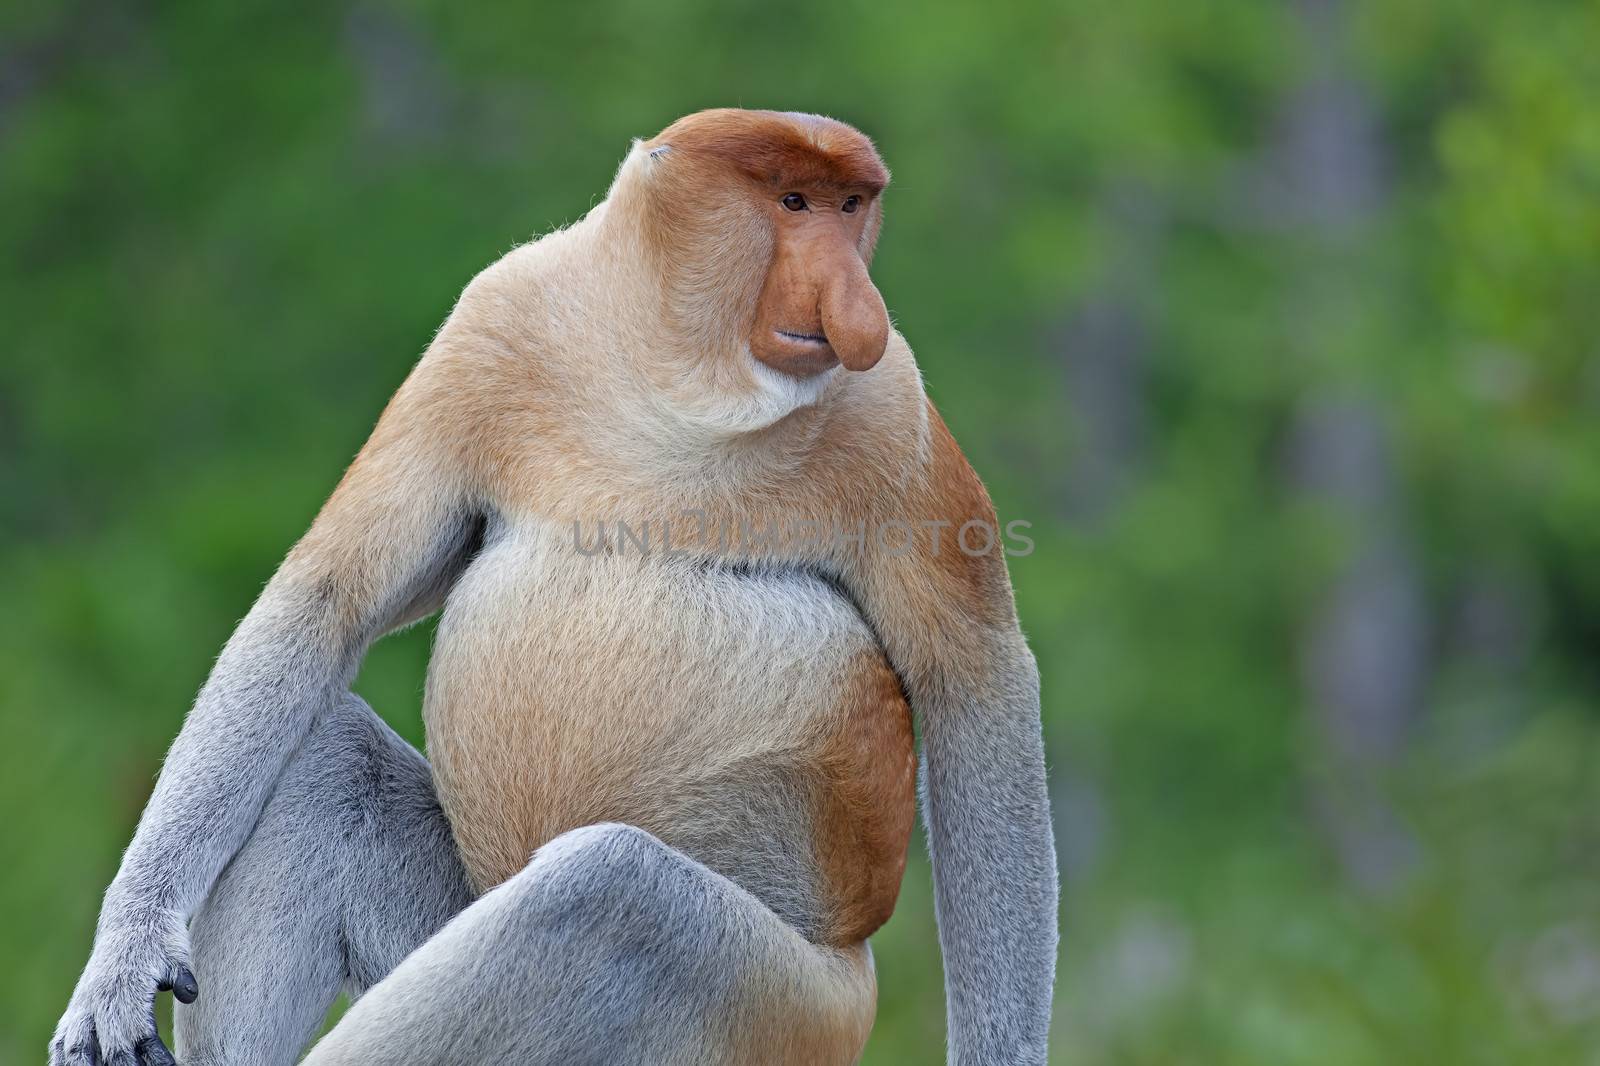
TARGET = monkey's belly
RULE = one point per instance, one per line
(748, 719)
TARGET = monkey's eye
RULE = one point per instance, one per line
(794, 202)
(850, 205)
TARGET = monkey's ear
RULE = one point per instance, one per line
(635, 170)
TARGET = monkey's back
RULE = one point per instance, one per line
(747, 717)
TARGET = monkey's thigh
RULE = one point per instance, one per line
(349, 868)
(611, 947)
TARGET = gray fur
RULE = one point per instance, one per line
(989, 835)
(350, 868)
(282, 666)
(610, 947)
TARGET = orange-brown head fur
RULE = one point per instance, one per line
(763, 224)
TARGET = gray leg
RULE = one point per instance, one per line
(611, 947)
(349, 868)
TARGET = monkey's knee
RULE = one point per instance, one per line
(597, 875)
(698, 962)
(350, 778)
(597, 854)
(649, 910)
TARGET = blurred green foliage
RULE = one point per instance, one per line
(1278, 321)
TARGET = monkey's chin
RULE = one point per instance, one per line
(781, 392)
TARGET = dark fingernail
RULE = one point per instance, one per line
(185, 989)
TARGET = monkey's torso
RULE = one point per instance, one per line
(745, 716)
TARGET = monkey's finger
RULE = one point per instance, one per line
(77, 1055)
(185, 989)
(152, 1052)
(82, 1051)
(181, 983)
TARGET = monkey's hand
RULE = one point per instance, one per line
(111, 1018)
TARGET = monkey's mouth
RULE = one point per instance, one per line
(804, 338)
(796, 353)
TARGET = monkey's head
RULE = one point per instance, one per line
(764, 224)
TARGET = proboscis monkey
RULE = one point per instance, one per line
(703, 549)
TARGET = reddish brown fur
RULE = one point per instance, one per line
(781, 149)
(864, 824)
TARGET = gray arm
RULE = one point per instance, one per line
(994, 868)
(383, 550)
(947, 620)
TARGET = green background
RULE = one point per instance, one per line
(1277, 320)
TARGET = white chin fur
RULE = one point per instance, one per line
(770, 397)
(788, 392)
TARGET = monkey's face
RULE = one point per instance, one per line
(818, 308)
(798, 212)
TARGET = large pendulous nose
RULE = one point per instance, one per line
(854, 318)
